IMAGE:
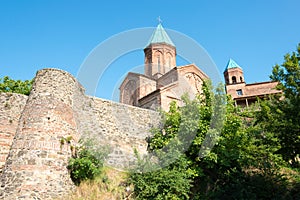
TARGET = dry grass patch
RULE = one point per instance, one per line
(110, 186)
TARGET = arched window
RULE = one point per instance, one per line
(241, 79)
(169, 60)
(233, 79)
(158, 64)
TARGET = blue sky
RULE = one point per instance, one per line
(36, 34)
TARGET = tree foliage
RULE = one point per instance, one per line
(170, 182)
(241, 164)
(281, 115)
(15, 86)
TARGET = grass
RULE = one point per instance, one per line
(111, 185)
(292, 175)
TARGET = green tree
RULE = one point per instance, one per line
(174, 148)
(244, 162)
(241, 165)
(15, 86)
(281, 115)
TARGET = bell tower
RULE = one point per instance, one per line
(160, 54)
(233, 73)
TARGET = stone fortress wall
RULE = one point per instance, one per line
(11, 107)
(31, 130)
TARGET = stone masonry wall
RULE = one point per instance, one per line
(58, 108)
(11, 107)
(36, 164)
(120, 127)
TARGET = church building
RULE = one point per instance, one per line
(163, 81)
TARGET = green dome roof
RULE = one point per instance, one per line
(160, 36)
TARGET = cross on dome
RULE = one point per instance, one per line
(159, 20)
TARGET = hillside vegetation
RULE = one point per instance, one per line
(210, 149)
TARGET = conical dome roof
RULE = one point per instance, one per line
(232, 64)
(160, 36)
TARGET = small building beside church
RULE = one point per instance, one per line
(163, 81)
(245, 94)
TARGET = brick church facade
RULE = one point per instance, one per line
(163, 81)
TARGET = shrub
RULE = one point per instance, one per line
(87, 163)
(170, 182)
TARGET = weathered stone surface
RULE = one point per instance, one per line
(11, 106)
(123, 128)
(46, 118)
(58, 108)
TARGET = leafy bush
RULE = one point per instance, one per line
(87, 163)
(171, 182)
